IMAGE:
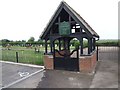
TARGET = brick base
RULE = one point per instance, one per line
(48, 62)
(86, 63)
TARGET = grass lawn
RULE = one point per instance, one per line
(25, 55)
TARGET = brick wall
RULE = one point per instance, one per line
(87, 63)
(48, 62)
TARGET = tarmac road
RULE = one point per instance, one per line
(15, 75)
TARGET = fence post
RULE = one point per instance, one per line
(97, 52)
(17, 57)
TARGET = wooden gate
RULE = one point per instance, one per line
(64, 61)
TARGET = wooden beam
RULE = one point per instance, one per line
(77, 30)
(81, 44)
(53, 49)
(80, 29)
(72, 22)
(45, 46)
(64, 43)
(59, 20)
(79, 35)
(89, 45)
(51, 46)
(59, 44)
(93, 43)
(69, 19)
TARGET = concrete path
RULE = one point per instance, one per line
(107, 71)
(65, 79)
(106, 75)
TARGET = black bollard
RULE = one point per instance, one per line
(17, 57)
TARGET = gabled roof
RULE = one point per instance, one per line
(74, 14)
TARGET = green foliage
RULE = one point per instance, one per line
(85, 44)
(99, 43)
(31, 40)
(76, 44)
(119, 42)
(5, 42)
(107, 43)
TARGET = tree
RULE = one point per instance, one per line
(77, 44)
(40, 41)
(31, 40)
(5, 42)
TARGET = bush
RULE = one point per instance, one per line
(85, 44)
(77, 44)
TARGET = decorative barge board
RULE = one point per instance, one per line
(59, 29)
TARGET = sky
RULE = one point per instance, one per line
(22, 19)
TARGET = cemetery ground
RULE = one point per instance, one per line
(25, 55)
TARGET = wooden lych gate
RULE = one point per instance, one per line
(60, 28)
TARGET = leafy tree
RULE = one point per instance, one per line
(5, 42)
(77, 44)
(31, 40)
(23, 41)
(40, 41)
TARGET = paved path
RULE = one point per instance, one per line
(106, 75)
(65, 79)
(107, 70)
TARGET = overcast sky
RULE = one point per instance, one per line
(21, 19)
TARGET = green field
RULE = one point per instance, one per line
(108, 42)
(25, 55)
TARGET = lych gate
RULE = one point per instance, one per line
(60, 28)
